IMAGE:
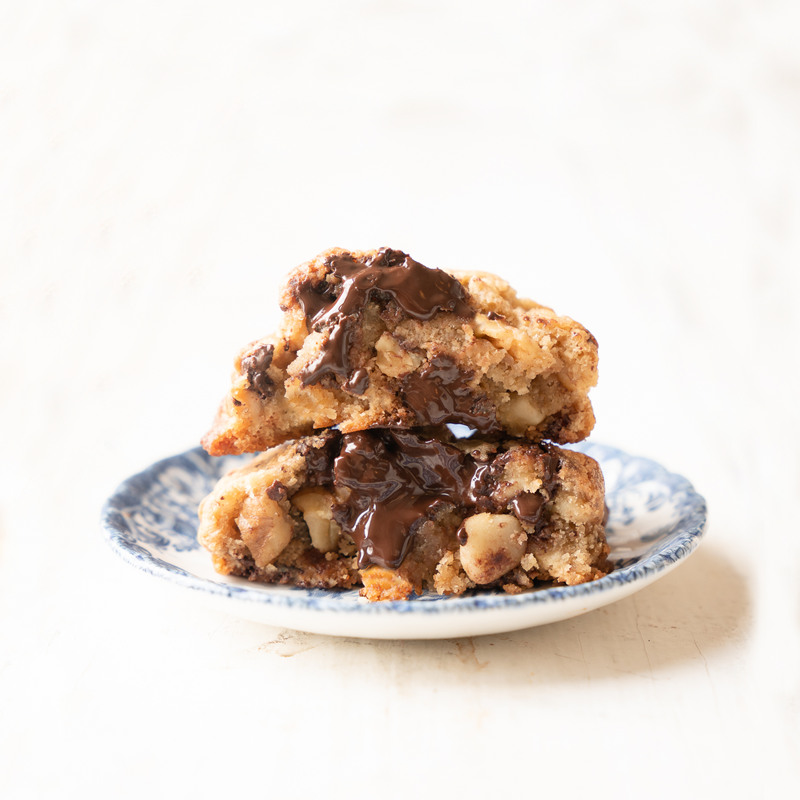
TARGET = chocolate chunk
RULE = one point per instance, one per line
(397, 480)
(390, 275)
(255, 368)
(277, 492)
(528, 506)
(319, 460)
(358, 382)
(440, 393)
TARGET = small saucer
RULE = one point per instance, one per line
(656, 520)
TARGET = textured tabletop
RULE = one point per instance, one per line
(164, 164)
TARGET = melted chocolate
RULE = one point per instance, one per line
(397, 480)
(440, 393)
(418, 292)
(528, 506)
(255, 368)
(358, 382)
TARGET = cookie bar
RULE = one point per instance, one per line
(397, 512)
(376, 339)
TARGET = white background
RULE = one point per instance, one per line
(163, 164)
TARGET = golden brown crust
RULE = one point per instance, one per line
(531, 366)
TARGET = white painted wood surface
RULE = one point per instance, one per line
(162, 165)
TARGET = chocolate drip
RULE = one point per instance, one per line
(418, 292)
(440, 393)
(255, 368)
(397, 480)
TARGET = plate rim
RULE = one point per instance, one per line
(115, 533)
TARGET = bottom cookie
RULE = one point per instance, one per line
(399, 512)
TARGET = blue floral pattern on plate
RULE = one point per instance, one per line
(656, 519)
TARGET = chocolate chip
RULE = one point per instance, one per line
(319, 460)
(255, 368)
(528, 506)
(277, 492)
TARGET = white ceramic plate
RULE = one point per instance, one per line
(656, 520)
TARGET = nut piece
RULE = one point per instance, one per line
(519, 413)
(495, 544)
(492, 329)
(265, 527)
(517, 342)
(392, 360)
(316, 505)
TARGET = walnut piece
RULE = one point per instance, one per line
(519, 412)
(265, 528)
(495, 545)
(392, 360)
(317, 508)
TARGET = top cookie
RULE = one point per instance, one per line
(376, 339)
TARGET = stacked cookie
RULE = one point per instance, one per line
(410, 419)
